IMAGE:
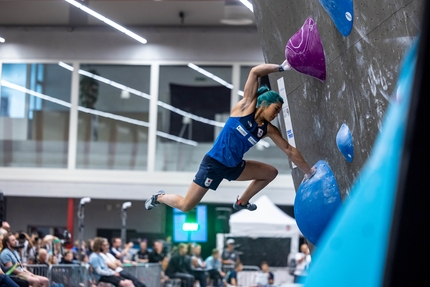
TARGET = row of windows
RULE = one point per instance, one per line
(115, 113)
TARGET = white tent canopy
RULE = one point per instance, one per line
(267, 220)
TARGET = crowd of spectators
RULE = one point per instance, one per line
(106, 260)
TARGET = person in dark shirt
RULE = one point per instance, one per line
(67, 258)
(142, 256)
(156, 255)
(232, 274)
(178, 267)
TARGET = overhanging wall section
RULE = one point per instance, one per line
(362, 70)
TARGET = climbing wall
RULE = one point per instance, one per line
(362, 64)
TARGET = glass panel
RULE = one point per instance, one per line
(113, 117)
(190, 91)
(271, 155)
(34, 115)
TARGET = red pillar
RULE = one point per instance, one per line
(70, 219)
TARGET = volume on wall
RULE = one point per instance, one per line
(362, 70)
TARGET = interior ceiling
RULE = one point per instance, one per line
(128, 13)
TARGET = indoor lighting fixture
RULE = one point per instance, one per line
(213, 77)
(2, 40)
(248, 5)
(210, 75)
(107, 21)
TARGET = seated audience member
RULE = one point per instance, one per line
(27, 250)
(57, 249)
(6, 281)
(178, 267)
(9, 257)
(116, 265)
(142, 256)
(156, 255)
(5, 225)
(52, 259)
(231, 277)
(213, 267)
(198, 266)
(118, 252)
(19, 282)
(265, 278)
(102, 273)
(42, 257)
(67, 257)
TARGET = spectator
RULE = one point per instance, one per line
(42, 257)
(31, 260)
(57, 249)
(167, 245)
(178, 267)
(213, 267)
(231, 277)
(198, 266)
(118, 252)
(157, 256)
(9, 256)
(116, 265)
(5, 225)
(303, 259)
(101, 271)
(67, 257)
(229, 256)
(88, 246)
(27, 250)
(265, 278)
(19, 282)
(6, 281)
(142, 256)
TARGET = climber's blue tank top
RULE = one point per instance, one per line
(238, 135)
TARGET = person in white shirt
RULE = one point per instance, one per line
(303, 259)
(116, 265)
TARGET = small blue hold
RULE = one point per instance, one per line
(345, 143)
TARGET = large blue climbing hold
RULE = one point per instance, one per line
(317, 199)
(344, 143)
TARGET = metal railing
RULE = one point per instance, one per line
(76, 275)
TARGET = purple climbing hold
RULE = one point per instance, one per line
(305, 53)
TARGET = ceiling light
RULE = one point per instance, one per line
(210, 75)
(237, 15)
(248, 5)
(238, 22)
(107, 21)
(213, 77)
(2, 40)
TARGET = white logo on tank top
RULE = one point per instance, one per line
(252, 140)
(241, 130)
